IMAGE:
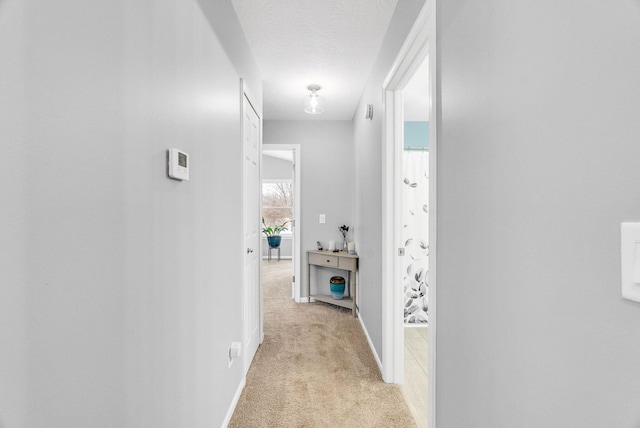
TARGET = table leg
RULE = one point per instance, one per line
(355, 291)
(308, 280)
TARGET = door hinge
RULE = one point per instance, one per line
(293, 278)
(401, 251)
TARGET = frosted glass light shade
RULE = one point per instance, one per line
(313, 103)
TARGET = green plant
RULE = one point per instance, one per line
(273, 230)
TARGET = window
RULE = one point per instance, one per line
(277, 202)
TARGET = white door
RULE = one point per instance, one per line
(251, 204)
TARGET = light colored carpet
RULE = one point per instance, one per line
(314, 368)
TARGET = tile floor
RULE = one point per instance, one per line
(414, 389)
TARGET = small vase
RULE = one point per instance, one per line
(337, 285)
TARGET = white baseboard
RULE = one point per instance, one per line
(234, 403)
(373, 349)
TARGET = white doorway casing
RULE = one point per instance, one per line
(297, 188)
(420, 44)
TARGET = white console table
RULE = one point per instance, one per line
(337, 260)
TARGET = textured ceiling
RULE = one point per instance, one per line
(333, 43)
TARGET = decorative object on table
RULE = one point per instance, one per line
(319, 245)
(344, 230)
(352, 248)
(332, 245)
(337, 287)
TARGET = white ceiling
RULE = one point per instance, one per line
(333, 43)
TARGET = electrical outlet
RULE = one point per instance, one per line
(235, 350)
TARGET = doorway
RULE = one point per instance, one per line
(281, 206)
(399, 272)
(414, 222)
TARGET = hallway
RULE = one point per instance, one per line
(314, 369)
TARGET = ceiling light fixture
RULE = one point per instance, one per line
(314, 103)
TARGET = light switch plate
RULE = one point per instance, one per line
(630, 260)
(323, 219)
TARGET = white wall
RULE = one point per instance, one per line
(276, 169)
(538, 163)
(368, 172)
(225, 23)
(326, 168)
(115, 307)
(13, 222)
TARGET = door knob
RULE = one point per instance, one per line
(249, 250)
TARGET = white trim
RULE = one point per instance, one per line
(434, 143)
(234, 403)
(297, 191)
(373, 349)
(276, 180)
(392, 302)
(420, 43)
(398, 292)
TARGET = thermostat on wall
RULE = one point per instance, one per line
(178, 164)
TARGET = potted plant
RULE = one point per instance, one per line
(273, 233)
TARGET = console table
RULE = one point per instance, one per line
(337, 260)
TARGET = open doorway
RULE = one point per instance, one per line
(409, 217)
(280, 210)
(414, 220)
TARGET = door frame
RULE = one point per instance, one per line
(297, 186)
(419, 44)
(245, 92)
